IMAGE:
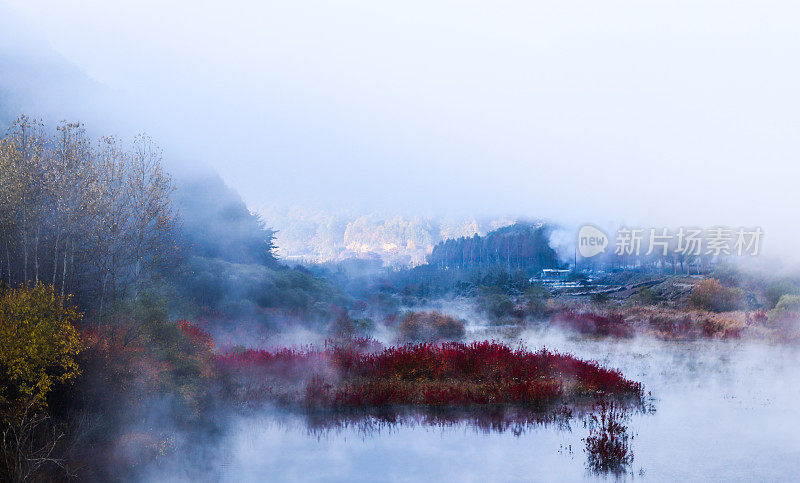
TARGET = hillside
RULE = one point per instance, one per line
(319, 236)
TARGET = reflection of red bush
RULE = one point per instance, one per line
(607, 444)
(427, 374)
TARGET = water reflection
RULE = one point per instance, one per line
(726, 411)
(607, 448)
(493, 419)
(608, 445)
(498, 419)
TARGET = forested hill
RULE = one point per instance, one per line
(231, 265)
(218, 224)
(520, 247)
(506, 257)
(105, 222)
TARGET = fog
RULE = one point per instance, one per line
(367, 133)
(721, 411)
(674, 113)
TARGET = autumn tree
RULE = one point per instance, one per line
(92, 220)
(38, 348)
(711, 295)
(38, 343)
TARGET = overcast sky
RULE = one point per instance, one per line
(660, 112)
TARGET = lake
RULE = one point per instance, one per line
(721, 410)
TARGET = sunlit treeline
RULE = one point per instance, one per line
(93, 218)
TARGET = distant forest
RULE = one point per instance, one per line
(519, 247)
(506, 258)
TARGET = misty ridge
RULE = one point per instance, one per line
(317, 236)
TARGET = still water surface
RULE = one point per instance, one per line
(722, 411)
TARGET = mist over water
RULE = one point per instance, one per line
(720, 410)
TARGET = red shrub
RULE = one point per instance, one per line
(594, 324)
(449, 374)
(758, 317)
(200, 338)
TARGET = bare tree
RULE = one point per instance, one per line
(29, 444)
(153, 219)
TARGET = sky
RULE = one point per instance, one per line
(642, 112)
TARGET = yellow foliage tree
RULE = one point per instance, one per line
(711, 295)
(38, 343)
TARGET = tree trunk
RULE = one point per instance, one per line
(36, 256)
(8, 264)
(24, 256)
(55, 259)
(64, 272)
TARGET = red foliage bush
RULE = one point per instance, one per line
(661, 322)
(198, 337)
(670, 327)
(448, 374)
(613, 325)
(115, 356)
(758, 317)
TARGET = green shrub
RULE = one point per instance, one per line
(430, 327)
(647, 296)
(786, 311)
(777, 289)
(347, 327)
(494, 302)
(535, 300)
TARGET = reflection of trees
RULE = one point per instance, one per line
(485, 419)
(499, 420)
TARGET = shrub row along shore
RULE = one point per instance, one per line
(360, 374)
